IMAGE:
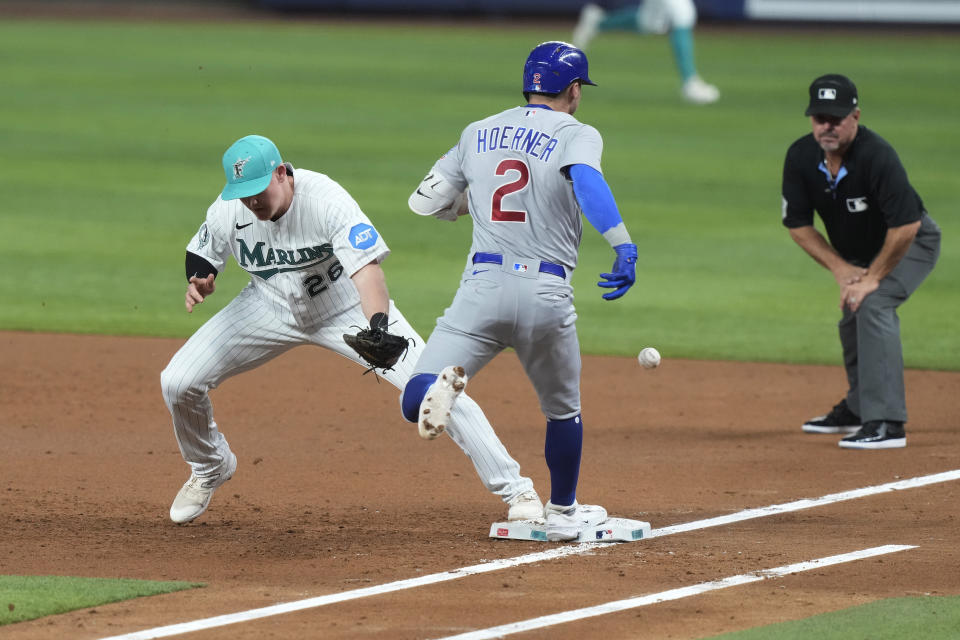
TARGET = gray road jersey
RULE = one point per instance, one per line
(520, 199)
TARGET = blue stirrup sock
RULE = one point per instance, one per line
(413, 395)
(562, 449)
(682, 41)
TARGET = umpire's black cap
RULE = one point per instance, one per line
(833, 95)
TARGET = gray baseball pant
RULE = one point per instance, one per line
(872, 351)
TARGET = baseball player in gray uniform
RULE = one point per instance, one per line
(525, 176)
(314, 264)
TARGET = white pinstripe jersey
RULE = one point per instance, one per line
(301, 264)
(521, 201)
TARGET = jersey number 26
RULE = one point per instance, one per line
(317, 284)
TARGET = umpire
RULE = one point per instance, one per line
(882, 244)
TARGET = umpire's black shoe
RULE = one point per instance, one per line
(839, 420)
(877, 434)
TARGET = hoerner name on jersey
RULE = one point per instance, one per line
(529, 141)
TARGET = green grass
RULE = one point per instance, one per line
(926, 618)
(112, 134)
(29, 597)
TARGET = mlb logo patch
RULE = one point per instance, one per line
(856, 205)
(519, 267)
(827, 94)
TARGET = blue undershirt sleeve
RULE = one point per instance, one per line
(595, 198)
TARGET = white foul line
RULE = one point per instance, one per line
(807, 503)
(298, 605)
(672, 594)
(496, 565)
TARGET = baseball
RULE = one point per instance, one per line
(649, 358)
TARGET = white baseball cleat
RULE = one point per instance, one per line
(567, 523)
(697, 91)
(194, 496)
(586, 30)
(438, 401)
(526, 506)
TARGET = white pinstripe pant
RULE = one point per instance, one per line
(246, 334)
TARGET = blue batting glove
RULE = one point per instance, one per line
(624, 271)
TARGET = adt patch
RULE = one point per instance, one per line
(363, 236)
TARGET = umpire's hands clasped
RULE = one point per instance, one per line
(853, 294)
(855, 285)
(198, 289)
(624, 272)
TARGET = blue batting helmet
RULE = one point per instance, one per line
(552, 66)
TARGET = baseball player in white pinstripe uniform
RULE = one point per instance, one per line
(314, 263)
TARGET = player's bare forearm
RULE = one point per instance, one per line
(197, 290)
(371, 284)
(817, 247)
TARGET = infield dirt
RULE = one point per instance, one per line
(335, 492)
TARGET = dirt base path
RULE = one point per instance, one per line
(335, 492)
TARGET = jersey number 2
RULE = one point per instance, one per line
(498, 214)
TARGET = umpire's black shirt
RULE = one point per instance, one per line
(870, 194)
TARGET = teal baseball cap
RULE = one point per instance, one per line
(249, 164)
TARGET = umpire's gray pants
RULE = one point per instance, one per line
(872, 352)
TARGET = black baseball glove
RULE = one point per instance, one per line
(378, 348)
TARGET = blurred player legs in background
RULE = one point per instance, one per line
(676, 17)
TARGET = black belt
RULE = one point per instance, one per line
(496, 258)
